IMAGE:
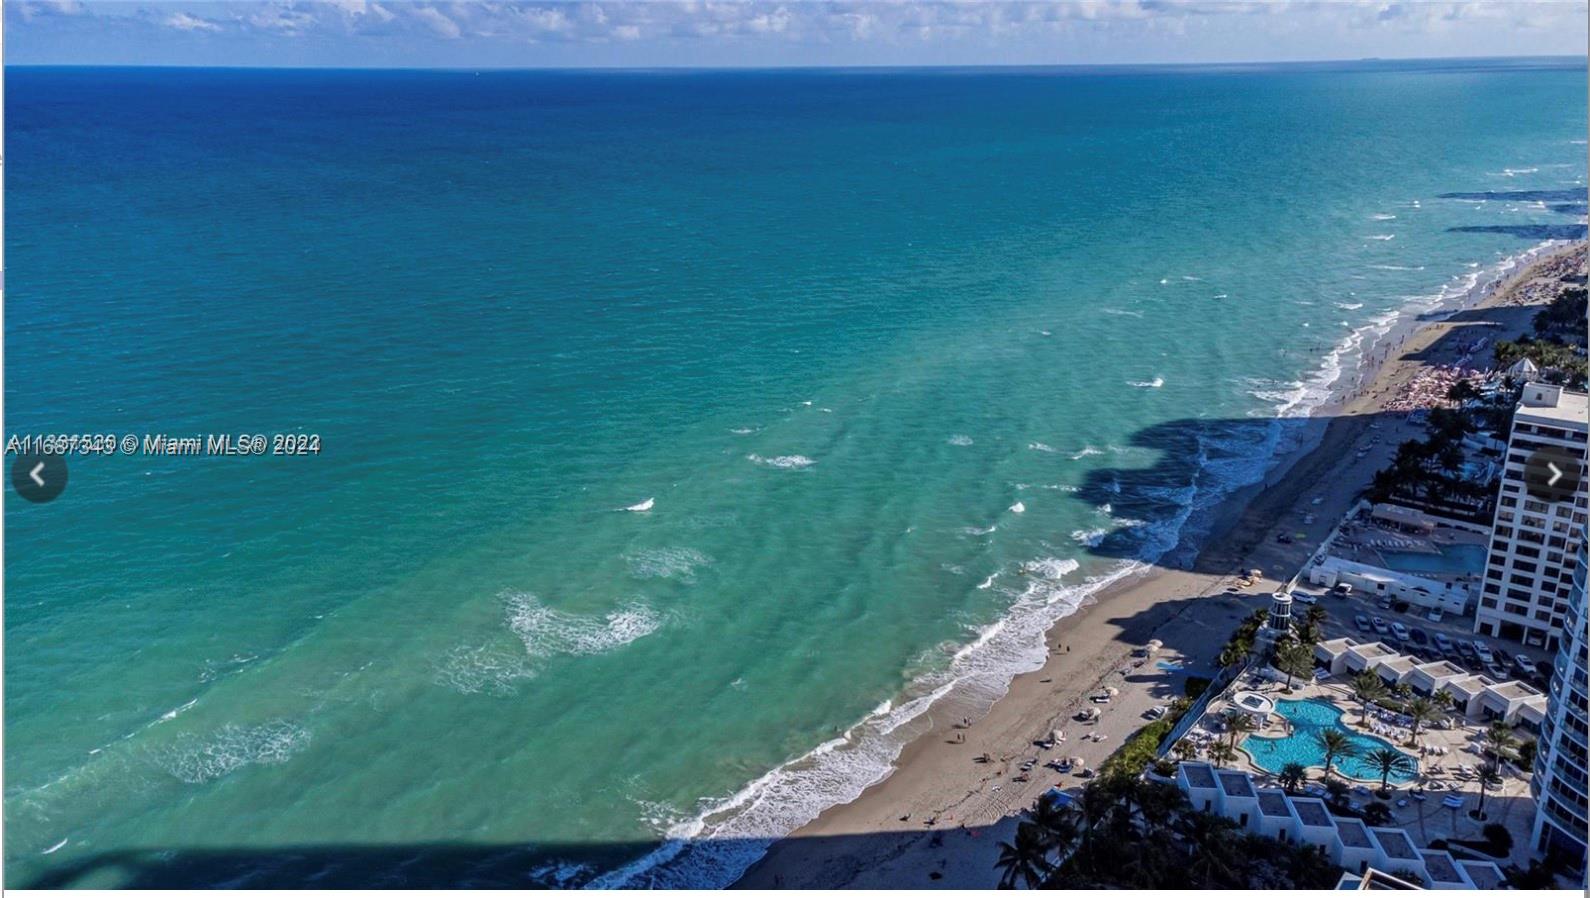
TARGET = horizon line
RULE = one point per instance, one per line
(1580, 60)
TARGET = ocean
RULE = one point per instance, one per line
(684, 434)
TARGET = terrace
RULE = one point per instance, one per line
(1432, 800)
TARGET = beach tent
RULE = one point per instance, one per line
(1059, 797)
(1523, 370)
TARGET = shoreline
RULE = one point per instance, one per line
(937, 817)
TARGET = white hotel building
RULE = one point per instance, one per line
(1561, 783)
(1534, 542)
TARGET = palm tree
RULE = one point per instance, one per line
(1315, 616)
(1421, 710)
(1057, 824)
(1232, 654)
(1184, 749)
(1293, 775)
(1025, 858)
(1386, 761)
(1334, 744)
(1209, 837)
(1310, 634)
(1489, 773)
(1159, 804)
(1294, 659)
(1368, 689)
(1237, 723)
(1222, 754)
(1499, 741)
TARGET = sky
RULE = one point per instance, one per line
(696, 33)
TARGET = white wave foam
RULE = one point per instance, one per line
(714, 848)
(1380, 236)
(1350, 306)
(56, 847)
(1090, 538)
(1383, 216)
(488, 669)
(200, 759)
(641, 506)
(667, 564)
(959, 439)
(1130, 313)
(1398, 267)
(787, 462)
(1041, 447)
(979, 531)
(546, 631)
(1018, 508)
(1154, 384)
(742, 431)
(1050, 568)
(1086, 451)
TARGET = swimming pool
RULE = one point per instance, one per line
(1308, 717)
(1462, 558)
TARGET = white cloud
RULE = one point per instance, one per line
(184, 22)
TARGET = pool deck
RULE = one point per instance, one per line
(1438, 775)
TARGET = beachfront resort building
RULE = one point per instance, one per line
(1364, 851)
(1528, 573)
(1562, 774)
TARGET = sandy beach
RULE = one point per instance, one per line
(937, 820)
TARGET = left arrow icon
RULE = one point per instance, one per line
(38, 478)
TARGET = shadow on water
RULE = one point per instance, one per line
(1570, 201)
(1528, 231)
(1567, 195)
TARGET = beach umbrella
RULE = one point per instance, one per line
(1078, 762)
(1057, 736)
(1111, 691)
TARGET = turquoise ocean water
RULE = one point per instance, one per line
(906, 363)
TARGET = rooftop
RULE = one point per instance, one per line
(1372, 650)
(1438, 864)
(1514, 689)
(1311, 811)
(1272, 803)
(1440, 670)
(1484, 874)
(1200, 776)
(1395, 843)
(1353, 833)
(1233, 783)
(1401, 665)
(1555, 404)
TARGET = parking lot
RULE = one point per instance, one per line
(1452, 638)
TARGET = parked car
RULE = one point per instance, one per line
(1444, 643)
(1306, 598)
(1342, 590)
(1433, 615)
(1398, 630)
(1465, 650)
(1380, 626)
(1484, 652)
(1418, 637)
(1156, 712)
(1361, 622)
(1497, 671)
(1384, 604)
(1524, 664)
